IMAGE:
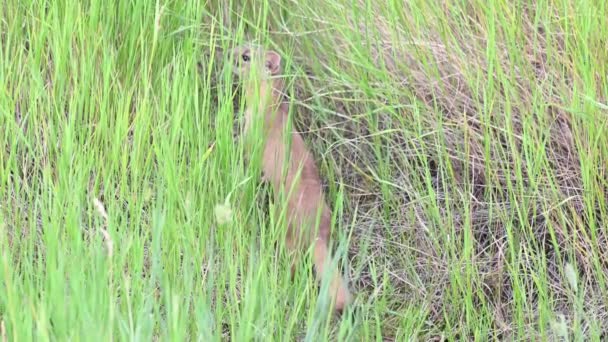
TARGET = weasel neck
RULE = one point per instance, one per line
(264, 98)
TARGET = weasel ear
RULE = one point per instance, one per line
(273, 62)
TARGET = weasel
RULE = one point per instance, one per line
(259, 70)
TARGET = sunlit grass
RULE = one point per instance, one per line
(463, 145)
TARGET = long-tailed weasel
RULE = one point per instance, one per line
(306, 206)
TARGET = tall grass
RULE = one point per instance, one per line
(463, 146)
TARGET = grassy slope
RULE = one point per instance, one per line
(463, 143)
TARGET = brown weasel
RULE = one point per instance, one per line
(306, 206)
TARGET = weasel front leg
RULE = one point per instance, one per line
(292, 249)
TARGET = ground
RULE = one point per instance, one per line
(462, 145)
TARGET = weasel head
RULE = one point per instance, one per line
(250, 62)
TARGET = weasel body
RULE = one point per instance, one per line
(300, 182)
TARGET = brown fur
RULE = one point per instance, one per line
(300, 182)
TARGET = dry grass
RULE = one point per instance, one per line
(466, 136)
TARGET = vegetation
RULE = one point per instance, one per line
(463, 143)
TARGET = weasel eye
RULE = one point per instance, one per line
(245, 57)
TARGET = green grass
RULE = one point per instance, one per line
(463, 144)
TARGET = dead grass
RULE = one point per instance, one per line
(476, 142)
